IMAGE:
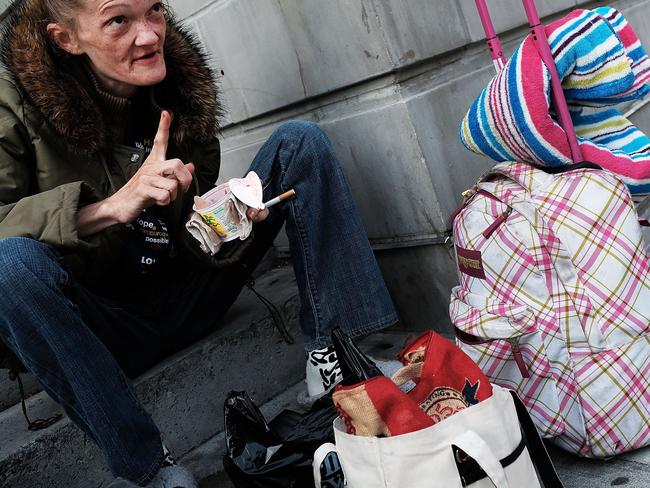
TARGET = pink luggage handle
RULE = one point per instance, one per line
(541, 43)
(491, 37)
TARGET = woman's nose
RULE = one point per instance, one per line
(146, 36)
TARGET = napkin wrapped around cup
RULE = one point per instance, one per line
(221, 214)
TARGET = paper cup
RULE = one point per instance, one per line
(217, 214)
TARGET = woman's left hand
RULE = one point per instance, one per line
(256, 215)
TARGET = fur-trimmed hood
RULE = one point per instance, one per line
(51, 82)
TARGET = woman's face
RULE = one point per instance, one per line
(122, 38)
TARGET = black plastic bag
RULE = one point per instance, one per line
(355, 365)
(278, 454)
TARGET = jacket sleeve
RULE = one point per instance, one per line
(48, 216)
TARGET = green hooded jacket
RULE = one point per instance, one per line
(58, 150)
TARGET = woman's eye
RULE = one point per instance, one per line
(158, 7)
(117, 20)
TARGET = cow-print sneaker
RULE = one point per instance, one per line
(322, 372)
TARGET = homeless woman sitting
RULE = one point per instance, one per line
(91, 163)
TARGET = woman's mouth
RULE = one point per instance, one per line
(147, 58)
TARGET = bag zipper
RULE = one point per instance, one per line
(469, 195)
(500, 218)
(497, 223)
(519, 357)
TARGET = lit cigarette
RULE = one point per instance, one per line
(285, 196)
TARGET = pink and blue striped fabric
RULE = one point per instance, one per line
(601, 62)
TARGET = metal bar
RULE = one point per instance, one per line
(491, 37)
(557, 94)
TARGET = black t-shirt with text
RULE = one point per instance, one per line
(149, 243)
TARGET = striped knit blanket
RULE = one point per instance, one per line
(601, 62)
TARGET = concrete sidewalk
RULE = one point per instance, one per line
(630, 470)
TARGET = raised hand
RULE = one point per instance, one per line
(157, 182)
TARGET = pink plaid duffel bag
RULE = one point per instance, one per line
(554, 301)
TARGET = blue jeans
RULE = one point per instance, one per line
(83, 346)
(338, 278)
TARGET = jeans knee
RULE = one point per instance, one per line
(303, 130)
(21, 257)
(313, 149)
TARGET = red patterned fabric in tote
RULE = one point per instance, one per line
(447, 381)
(554, 302)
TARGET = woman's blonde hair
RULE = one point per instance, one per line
(62, 10)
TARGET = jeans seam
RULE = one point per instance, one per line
(293, 144)
(313, 295)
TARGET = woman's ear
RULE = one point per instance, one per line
(63, 38)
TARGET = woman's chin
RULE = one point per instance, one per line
(146, 75)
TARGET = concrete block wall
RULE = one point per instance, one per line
(389, 81)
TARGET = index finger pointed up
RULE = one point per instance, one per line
(159, 149)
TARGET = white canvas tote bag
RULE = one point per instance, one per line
(481, 446)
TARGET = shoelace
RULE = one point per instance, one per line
(37, 424)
